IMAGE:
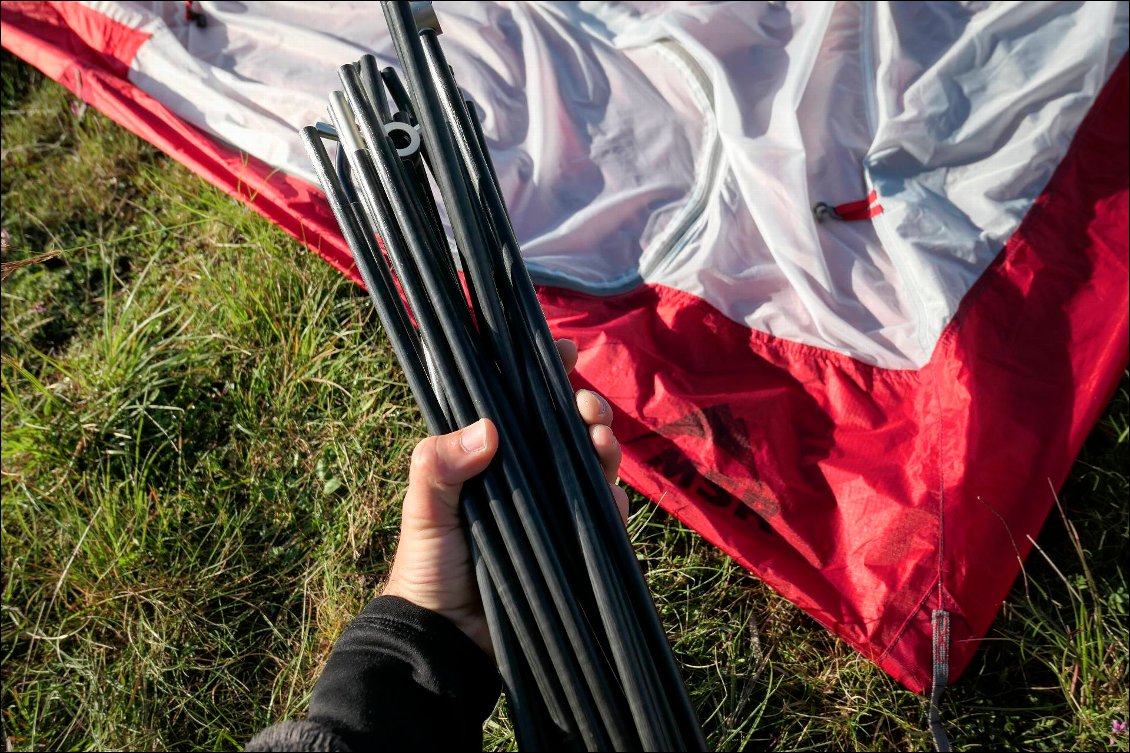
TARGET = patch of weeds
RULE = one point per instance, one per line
(17, 80)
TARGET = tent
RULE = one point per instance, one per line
(853, 275)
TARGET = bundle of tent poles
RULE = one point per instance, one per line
(584, 659)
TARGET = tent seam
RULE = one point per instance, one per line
(905, 625)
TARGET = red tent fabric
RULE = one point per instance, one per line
(871, 496)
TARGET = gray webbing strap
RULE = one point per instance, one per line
(940, 623)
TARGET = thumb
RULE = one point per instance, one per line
(439, 467)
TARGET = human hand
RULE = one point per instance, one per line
(432, 567)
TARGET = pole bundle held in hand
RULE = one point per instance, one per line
(583, 656)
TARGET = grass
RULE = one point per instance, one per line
(204, 441)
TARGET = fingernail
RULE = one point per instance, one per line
(474, 437)
(601, 403)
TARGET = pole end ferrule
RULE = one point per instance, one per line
(425, 16)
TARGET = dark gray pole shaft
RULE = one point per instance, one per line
(463, 359)
(531, 726)
(398, 93)
(390, 311)
(374, 86)
(574, 428)
(380, 288)
(637, 671)
(445, 161)
(460, 208)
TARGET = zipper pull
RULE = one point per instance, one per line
(191, 15)
(852, 211)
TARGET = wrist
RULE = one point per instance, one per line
(467, 617)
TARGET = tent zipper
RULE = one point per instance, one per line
(688, 225)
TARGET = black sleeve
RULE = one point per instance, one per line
(399, 678)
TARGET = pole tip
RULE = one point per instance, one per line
(342, 115)
(425, 16)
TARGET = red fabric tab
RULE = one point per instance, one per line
(864, 209)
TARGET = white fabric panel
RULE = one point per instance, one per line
(969, 132)
(685, 144)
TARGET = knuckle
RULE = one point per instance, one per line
(423, 457)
